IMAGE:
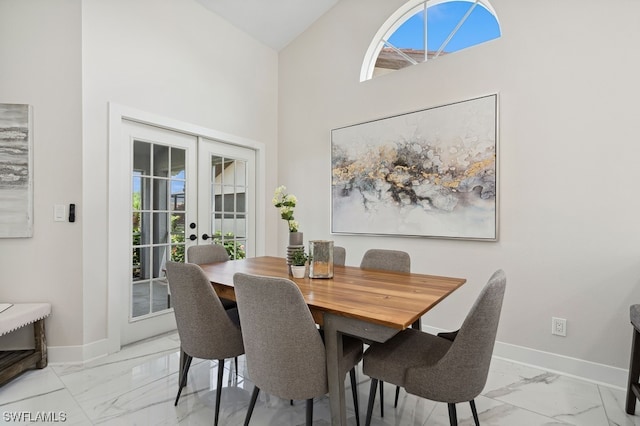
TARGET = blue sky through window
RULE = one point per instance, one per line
(479, 27)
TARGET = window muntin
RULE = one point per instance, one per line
(443, 26)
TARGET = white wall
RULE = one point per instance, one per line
(566, 75)
(40, 65)
(175, 59)
(568, 95)
(69, 59)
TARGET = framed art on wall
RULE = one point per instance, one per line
(428, 173)
(16, 170)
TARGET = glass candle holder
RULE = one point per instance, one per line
(321, 262)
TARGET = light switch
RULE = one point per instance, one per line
(59, 213)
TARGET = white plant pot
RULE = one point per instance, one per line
(298, 271)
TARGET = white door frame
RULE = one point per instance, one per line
(118, 268)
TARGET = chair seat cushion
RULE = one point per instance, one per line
(352, 353)
(635, 316)
(228, 304)
(409, 348)
(352, 349)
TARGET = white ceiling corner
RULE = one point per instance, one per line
(273, 22)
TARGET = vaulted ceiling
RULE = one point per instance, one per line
(273, 22)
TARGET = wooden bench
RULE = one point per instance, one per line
(18, 315)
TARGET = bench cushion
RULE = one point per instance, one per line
(21, 314)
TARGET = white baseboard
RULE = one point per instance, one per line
(600, 374)
(574, 367)
(594, 372)
(77, 354)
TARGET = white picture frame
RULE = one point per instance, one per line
(429, 173)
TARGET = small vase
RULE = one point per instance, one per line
(298, 271)
(295, 238)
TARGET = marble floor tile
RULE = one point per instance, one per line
(562, 398)
(56, 406)
(138, 386)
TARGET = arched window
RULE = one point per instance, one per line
(443, 26)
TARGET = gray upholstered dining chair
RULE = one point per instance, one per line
(285, 352)
(633, 387)
(207, 253)
(388, 260)
(207, 330)
(437, 368)
(339, 255)
(210, 253)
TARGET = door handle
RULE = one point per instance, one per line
(193, 237)
(205, 237)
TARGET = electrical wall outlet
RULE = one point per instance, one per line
(559, 326)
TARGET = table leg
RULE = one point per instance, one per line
(334, 327)
(333, 346)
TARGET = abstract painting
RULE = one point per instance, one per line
(428, 173)
(16, 183)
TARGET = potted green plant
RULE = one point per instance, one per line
(298, 263)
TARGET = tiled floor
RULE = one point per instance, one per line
(137, 386)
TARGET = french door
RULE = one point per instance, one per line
(226, 197)
(185, 190)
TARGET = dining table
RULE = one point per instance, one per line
(370, 304)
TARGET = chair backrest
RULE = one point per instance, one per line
(461, 374)
(204, 327)
(207, 253)
(388, 260)
(339, 255)
(284, 350)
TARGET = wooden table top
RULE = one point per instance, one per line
(391, 299)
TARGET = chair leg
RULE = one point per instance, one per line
(372, 399)
(219, 390)
(474, 412)
(236, 359)
(381, 398)
(252, 404)
(633, 390)
(183, 381)
(395, 402)
(453, 417)
(354, 391)
(310, 412)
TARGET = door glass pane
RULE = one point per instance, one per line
(160, 228)
(141, 257)
(145, 229)
(142, 157)
(141, 292)
(241, 226)
(178, 233)
(178, 163)
(158, 231)
(228, 186)
(160, 295)
(241, 173)
(177, 195)
(160, 194)
(160, 160)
